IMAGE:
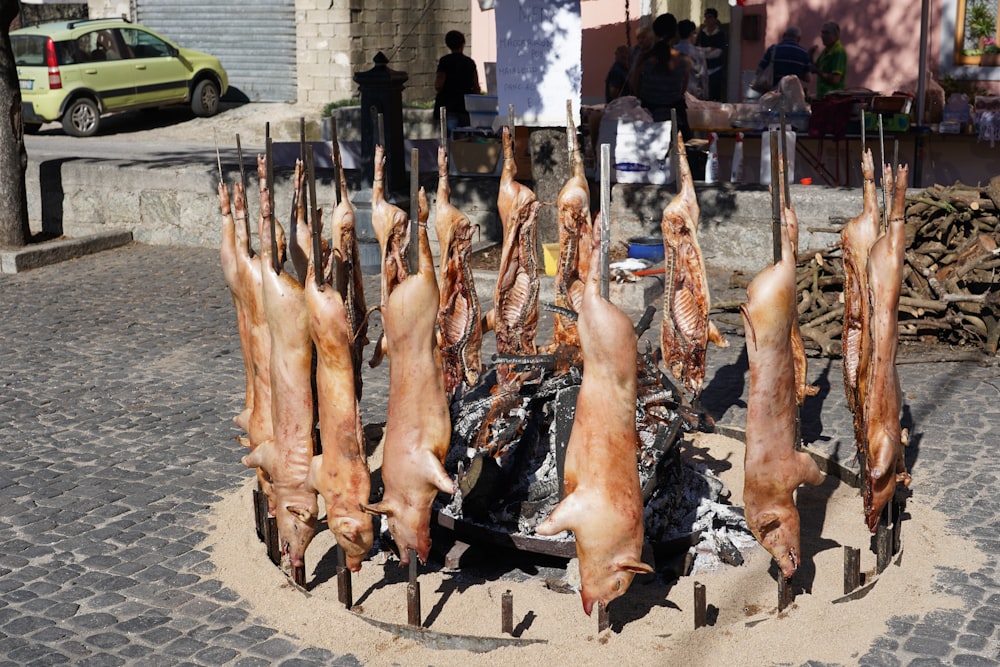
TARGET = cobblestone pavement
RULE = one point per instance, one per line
(119, 375)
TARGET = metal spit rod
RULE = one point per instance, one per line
(411, 254)
(885, 203)
(314, 221)
(605, 219)
(335, 158)
(268, 184)
(775, 198)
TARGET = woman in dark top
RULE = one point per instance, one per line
(713, 39)
(456, 78)
(661, 79)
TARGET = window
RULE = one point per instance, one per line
(144, 45)
(976, 33)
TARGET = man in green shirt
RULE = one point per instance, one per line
(831, 65)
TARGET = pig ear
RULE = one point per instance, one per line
(378, 508)
(348, 528)
(767, 522)
(300, 512)
(634, 566)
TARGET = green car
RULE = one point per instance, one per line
(78, 70)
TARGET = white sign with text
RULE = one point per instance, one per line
(538, 60)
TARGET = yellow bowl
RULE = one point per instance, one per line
(551, 254)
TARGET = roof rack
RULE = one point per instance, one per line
(73, 24)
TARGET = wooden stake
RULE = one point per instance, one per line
(700, 606)
(413, 593)
(271, 540)
(507, 613)
(852, 569)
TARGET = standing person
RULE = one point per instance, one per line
(713, 39)
(831, 65)
(788, 56)
(661, 79)
(644, 40)
(456, 77)
(614, 82)
(698, 81)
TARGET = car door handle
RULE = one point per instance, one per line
(90, 71)
(140, 67)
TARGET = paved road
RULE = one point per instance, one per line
(119, 374)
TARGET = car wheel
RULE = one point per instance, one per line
(82, 118)
(32, 128)
(205, 101)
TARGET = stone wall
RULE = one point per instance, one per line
(335, 42)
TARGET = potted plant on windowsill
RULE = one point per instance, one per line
(991, 53)
(981, 26)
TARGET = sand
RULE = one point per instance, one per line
(651, 624)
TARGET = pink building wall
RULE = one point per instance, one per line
(882, 38)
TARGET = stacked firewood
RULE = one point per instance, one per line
(952, 262)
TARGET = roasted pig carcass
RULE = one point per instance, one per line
(459, 319)
(348, 279)
(244, 270)
(418, 423)
(340, 474)
(392, 229)
(287, 457)
(884, 464)
(856, 240)
(686, 328)
(575, 223)
(230, 251)
(773, 468)
(514, 318)
(602, 500)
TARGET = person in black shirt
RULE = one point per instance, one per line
(713, 39)
(617, 75)
(456, 77)
(788, 56)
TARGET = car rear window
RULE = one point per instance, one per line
(29, 50)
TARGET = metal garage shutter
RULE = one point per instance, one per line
(254, 39)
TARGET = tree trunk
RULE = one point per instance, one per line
(14, 230)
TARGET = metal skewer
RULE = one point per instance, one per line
(775, 198)
(411, 255)
(885, 204)
(314, 221)
(784, 156)
(413, 593)
(605, 218)
(335, 157)
(268, 183)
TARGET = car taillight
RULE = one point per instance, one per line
(55, 79)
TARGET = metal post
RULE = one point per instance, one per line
(507, 613)
(344, 593)
(603, 620)
(700, 606)
(852, 569)
(785, 594)
(883, 539)
(413, 593)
